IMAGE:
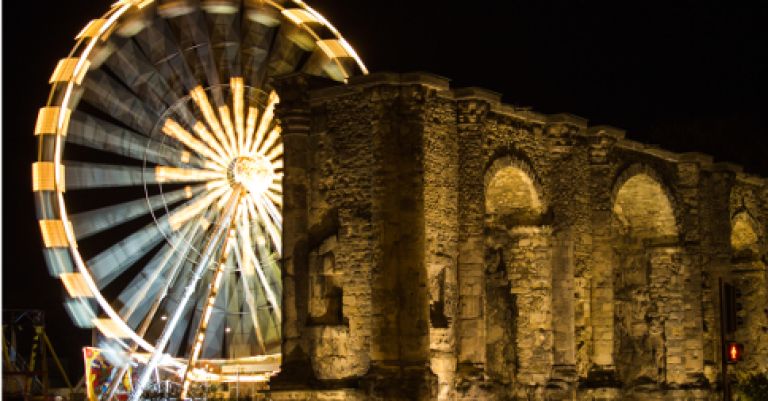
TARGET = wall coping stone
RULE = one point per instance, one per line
(442, 85)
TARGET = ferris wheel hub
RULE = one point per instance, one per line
(254, 173)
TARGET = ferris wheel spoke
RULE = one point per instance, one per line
(91, 175)
(251, 267)
(194, 209)
(260, 279)
(235, 304)
(92, 132)
(250, 127)
(225, 42)
(81, 175)
(268, 322)
(197, 38)
(269, 141)
(130, 65)
(256, 44)
(225, 117)
(274, 197)
(165, 174)
(186, 311)
(277, 183)
(244, 340)
(203, 133)
(216, 329)
(266, 208)
(174, 289)
(95, 221)
(238, 108)
(276, 153)
(268, 260)
(204, 105)
(275, 214)
(257, 212)
(246, 279)
(111, 97)
(112, 262)
(177, 132)
(156, 41)
(147, 285)
(265, 122)
(270, 328)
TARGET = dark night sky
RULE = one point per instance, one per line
(688, 75)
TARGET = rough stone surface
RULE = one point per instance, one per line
(440, 245)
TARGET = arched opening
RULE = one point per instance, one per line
(745, 236)
(511, 193)
(644, 209)
(646, 266)
(518, 278)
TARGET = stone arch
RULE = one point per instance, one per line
(513, 190)
(518, 266)
(647, 269)
(644, 205)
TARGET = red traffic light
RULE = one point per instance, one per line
(734, 352)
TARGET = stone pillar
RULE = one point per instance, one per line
(568, 196)
(399, 277)
(689, 193)
(441, 230)
(596, 284)
(666, 332)
(602, 295)
(715, 249)
(693, 319)
(563, 306)
(529, 269)
(601, 291)
(294, 114)
(471, 338)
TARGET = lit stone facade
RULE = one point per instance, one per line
(441, 245)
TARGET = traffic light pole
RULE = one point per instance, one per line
(723, 342)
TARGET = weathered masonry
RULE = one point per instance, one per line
(441, 245)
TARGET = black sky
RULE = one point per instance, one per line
(688, 75)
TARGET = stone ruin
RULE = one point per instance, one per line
(442, 245)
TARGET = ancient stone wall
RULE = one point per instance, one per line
(441, 245)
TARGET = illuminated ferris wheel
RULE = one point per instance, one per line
(158, 183)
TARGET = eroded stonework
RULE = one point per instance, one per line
(440, 245)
